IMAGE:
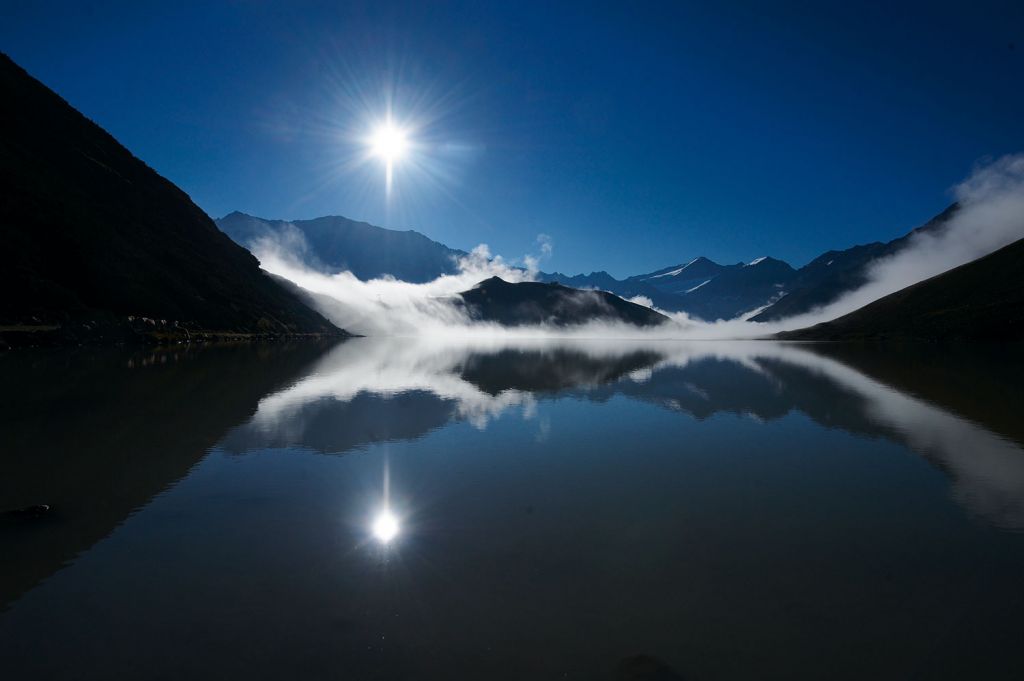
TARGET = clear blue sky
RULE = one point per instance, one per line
(635, 134)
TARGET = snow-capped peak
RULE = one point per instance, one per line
(668, 274)
(757, 260)
(675, 272)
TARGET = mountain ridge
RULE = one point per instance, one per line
(980, 300)
(333, 243)
(99, 246)
(830, 275)
(538, 303)
(763, 289)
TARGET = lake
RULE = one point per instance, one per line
(489, 509)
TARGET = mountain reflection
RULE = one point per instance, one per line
(98, 433)
(373, 390)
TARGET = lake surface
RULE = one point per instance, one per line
(557, 510)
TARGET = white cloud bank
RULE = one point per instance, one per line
(991, 215)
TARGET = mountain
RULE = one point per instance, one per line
(701, 288)
(982, 300)
(496, 300)
(602, 281)
(830, 275)
(596, 280)
(682, 279)
(334, 244)
(97, 244)
(740, 289)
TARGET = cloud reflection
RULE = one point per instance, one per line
(373, 390)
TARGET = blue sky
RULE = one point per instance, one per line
(636, 135)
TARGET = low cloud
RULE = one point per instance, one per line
(389, 306)
(990, 216)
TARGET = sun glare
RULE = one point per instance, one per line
(389, 143)
(385, 526)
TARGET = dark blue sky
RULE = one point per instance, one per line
(636, 135)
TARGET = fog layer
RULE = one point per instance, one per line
(990, 216)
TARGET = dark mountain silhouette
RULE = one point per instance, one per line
(830, 275)
(982, 300)
(334, 244)
(496, 300)
(94, 240)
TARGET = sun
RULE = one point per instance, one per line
(389, 142)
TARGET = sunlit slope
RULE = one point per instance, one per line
(982, 300)
(92, 236)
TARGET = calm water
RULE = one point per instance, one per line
(592, 510)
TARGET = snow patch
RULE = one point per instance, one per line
(675, 272)
(691, 290)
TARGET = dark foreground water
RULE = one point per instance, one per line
(593, 510)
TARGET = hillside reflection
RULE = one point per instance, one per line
(373, 390)
(98, 433)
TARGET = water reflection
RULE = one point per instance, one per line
(385, 526)
(580, 510)
(97, 433)
(373, 390)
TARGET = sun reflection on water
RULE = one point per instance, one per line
(385, 526)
